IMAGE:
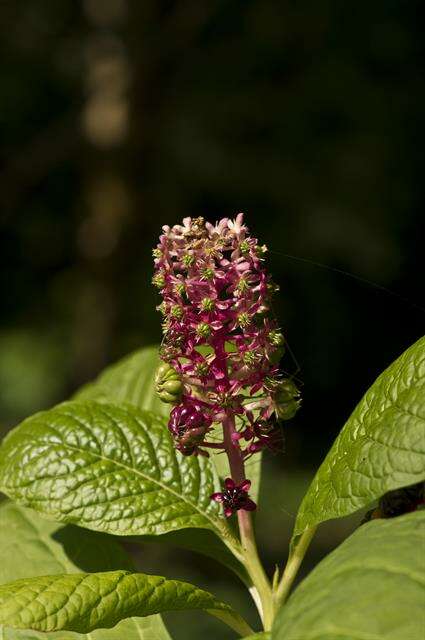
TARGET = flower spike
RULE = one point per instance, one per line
(222, 345)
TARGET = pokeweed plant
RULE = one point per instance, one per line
(176, 468)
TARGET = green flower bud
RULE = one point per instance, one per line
(242, 285)
(287, 400)
(244, 319)
(202, 369)
(180, 289)
(207, 273)
(203, 330)
(177, 312)
(188, 260)
(158, 280)
(277, 340)
(250, 358)
(207, 304)
(162, 308)
(244, 246)
(168, 384)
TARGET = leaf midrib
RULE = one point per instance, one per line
(217, 526)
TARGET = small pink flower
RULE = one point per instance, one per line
(234, 497)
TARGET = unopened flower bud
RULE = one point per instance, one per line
(158, 280)
(188, 260)
(180, 289)
(287, 400)
(207, 304)
(188, 424)
(203, 330)
(244, 246)
(277, 340)
(177, 311)
(207, 274)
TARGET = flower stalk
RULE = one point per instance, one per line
(251, 559)
(221, 352)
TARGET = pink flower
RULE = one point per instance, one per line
(234, 497)
(220, 335)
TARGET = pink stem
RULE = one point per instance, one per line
(246, 528)
(213, 445)
(237, 471)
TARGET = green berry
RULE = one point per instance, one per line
(168, 384)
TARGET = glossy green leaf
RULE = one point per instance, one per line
(264, 635)
(381, 447)
(131, 379)
(83, 602)
(31, 546)
(371, 588)
(110, 468)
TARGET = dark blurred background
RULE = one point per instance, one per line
(118, 116)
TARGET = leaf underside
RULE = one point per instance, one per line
(381, 447)
(372, 587)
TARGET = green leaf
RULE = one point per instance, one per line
(83, 602)
(381, 447)
(264, 635)
(31, 546)
(370, 588)
(109, 468)
(149, 628)
(201, 541)
(132, 380)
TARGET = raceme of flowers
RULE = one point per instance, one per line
(222, 345)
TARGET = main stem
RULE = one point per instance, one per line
(251, 558)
